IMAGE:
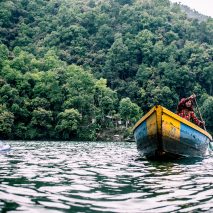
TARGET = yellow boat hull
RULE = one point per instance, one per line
(162, 133)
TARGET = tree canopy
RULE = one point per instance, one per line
(69, 69)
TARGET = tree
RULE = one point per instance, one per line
(207, 112)
(144, 40)
(41, 121)
(206, 78)
(117, 62)
(130, 112)
(4, 52)
(79, 88)
(6, 122)
(68, 123)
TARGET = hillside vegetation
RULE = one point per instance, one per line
(69, 69)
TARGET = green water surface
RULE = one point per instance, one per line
(100, 177)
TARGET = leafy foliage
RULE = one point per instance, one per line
(69, 69)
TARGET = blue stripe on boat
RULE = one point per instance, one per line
(141, 131)
(191, 135)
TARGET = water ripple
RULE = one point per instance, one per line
(100, 177)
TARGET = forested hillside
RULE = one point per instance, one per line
(73, 68)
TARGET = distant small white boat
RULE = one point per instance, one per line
(4, 147)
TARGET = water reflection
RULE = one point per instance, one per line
(94, 177)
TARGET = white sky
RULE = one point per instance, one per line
(204, 7)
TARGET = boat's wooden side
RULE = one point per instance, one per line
(182, 137)
(146, 133)
(162, 132)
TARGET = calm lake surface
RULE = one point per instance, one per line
(100, 177)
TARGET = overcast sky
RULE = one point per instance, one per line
(202, 6)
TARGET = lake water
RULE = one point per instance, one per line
(100, 177)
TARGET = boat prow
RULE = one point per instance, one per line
(163, 134)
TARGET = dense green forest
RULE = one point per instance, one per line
(70, 69)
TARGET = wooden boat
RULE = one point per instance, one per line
(163, 134)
